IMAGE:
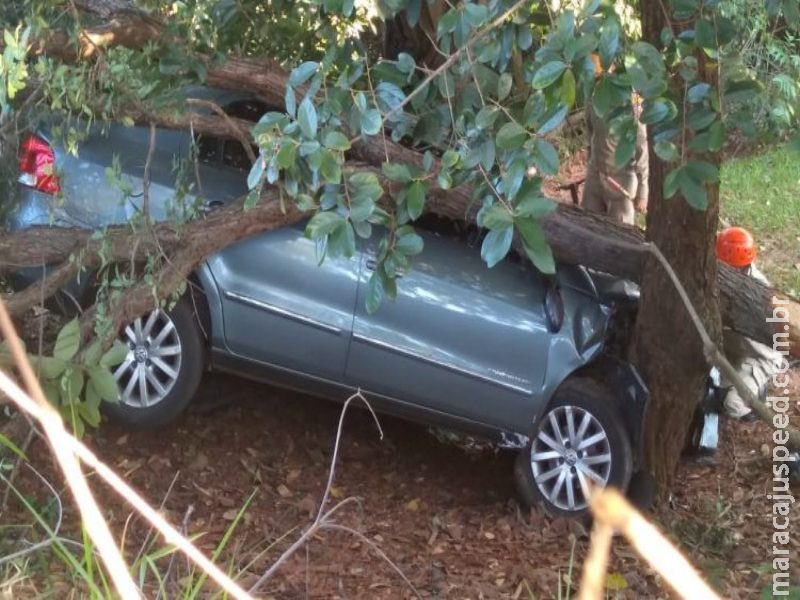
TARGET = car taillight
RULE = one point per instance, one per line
(37, 165)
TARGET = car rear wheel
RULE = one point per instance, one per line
(163, 368)
(579, 441)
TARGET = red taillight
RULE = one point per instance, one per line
(37, 165)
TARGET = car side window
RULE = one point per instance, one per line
(228, 152)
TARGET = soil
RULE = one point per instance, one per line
(444, 513)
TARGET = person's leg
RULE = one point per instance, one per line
(622, 209)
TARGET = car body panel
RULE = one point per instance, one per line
(282, 306)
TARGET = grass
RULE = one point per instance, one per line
(762, 193)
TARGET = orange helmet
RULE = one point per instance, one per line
(736, 247)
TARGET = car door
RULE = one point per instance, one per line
(460, 338)
(280, 305)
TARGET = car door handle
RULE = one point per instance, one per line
(372, 263)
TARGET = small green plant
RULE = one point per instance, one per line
(75, 383)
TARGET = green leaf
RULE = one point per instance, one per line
(322, 224)
(361, 208)
(287, 154)
(486, 117)
(700, 118)
(698, 92)
(655, 111)
(496, 217)
(535, 243)
(335, 140)
(375, 292)
(546, 157)
(626, 148)
(568, 89)
(694, 192)
(514, 175)
(609, 42)
(90, 414)
(329, 167)
(535, 207)
(371, 122)
(547, 74)
(496, 245)
(716, 136)
(552, 119)
(73, 386)
(672, 183)
(409, 244)
(302, 73)
(704, 34)
(702, 171)
(666, 151)
(742, 91)
(450, 159)
(50, 367)
(365, 184)
(104, 383)
(68, 341)
(415, 199)
(504, 83)
(115, 355)
(406, 63)
(397, 172)
(511, 136)
(256, 172)
(307, 118)
(342, 241)
(91, 356)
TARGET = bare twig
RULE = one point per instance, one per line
(593, 581)
(321, 516)
(148, 164)
(236, 130)
(611, 508)
(58, 438)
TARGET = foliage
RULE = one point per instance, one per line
(75, 383)
(767, 51)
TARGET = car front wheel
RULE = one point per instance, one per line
(163, 367)
(579, 441)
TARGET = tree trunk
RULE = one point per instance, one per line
(686, 238)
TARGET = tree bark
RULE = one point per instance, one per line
(686, 238)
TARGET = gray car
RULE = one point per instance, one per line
(504, 352)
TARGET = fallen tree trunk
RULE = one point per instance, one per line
(576, 236)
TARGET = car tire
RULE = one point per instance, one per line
(539, 466)
(162, 370)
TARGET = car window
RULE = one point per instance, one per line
(231, 153)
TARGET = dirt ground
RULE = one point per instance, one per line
(443, 513)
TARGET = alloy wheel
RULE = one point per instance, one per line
(570, 450)
(153, 363)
